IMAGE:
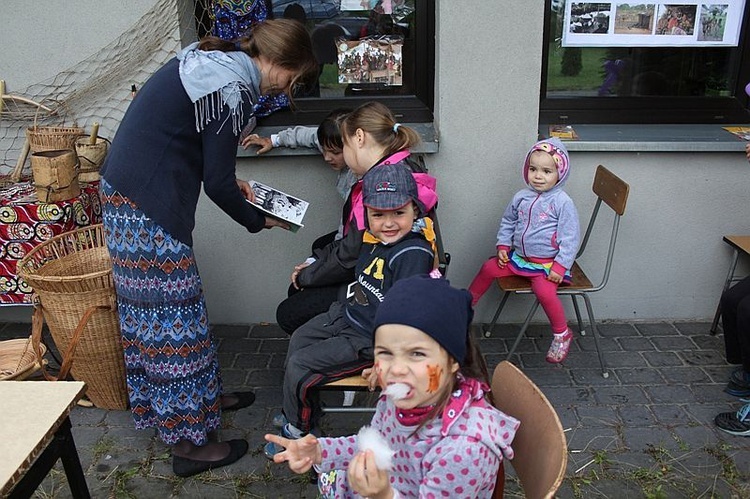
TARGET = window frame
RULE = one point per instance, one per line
(657, 110)
(417, 107)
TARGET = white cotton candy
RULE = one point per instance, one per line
(369, 438)
(397, 391)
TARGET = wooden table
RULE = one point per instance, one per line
(739, 244)
(35, 433)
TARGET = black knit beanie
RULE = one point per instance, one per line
(434, 307)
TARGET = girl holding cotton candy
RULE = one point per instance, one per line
(434, 430)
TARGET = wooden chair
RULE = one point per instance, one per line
(355, 383)
(612, 191)
(540, 447)
(740, 244)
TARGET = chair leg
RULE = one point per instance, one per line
(727, 282)
(523, 328)
(595, 333)
(581, 329)
(488, 331)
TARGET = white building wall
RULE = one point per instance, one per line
(670, 261)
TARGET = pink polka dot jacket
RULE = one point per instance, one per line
(457, 461)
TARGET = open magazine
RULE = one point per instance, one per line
(279, 205)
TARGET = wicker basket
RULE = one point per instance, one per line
(72, 276)
(91, 157)
(18, 360)
(50, 138)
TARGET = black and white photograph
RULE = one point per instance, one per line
(591, 18)
(279, 204)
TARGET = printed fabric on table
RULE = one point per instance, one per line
(25, 223)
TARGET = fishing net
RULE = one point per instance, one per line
(99, 88)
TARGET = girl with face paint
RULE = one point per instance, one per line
(434, 414)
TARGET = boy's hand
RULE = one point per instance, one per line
(371, 375)
(747, 151)
(297, 269)
(256, 140)
(554, 277)
(247, 191)
(366, 479)
(301, 453)
(502, 258)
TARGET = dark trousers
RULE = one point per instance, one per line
(302, 305)
(735, 313)
(325, 349)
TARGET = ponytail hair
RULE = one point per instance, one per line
(377, 120)
(284, 42)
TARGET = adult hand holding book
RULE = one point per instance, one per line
(279, 206)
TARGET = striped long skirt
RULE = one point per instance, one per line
(170, 361)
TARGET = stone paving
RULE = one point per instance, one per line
(646, 431)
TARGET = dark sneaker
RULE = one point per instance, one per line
(737, 424)
(740, 377)
(737, 390)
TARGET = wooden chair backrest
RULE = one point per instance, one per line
(611, 189)
(540, 447)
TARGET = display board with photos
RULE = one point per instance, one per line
(688, 23)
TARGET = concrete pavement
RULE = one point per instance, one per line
(646, 431)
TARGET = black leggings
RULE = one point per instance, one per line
(735, 314)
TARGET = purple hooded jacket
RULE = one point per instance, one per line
(543, 224)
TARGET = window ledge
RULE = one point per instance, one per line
(429, 144)
(652, 138)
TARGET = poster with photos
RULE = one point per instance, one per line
(371, 60)
(398, 8)
(651, 24)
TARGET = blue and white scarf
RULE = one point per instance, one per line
(215, 79)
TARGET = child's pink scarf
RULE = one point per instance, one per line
(470, 392)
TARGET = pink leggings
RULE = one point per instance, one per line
(545, 291)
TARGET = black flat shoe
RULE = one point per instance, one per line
(244, 399)
(185, 467)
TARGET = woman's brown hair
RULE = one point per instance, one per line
(284, 42)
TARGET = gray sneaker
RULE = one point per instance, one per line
(740, 377)
(737, 424)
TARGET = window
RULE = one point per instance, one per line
(644, 84)
(403, 40)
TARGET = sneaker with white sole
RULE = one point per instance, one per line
(735, 423)
(560, 347)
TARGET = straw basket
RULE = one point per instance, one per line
(91, 157)
(18, 360)
(72, 276)
(50, 138)
(55, 175)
